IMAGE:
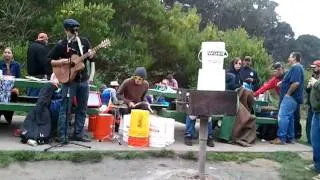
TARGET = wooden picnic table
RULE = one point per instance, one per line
(27, 106)
(28, 83)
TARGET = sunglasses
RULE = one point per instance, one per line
(138, 78)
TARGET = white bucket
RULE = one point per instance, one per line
(124, 127)
(211, 80)
(161, 131)
(213, 54)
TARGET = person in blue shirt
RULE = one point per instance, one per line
(109, 93)
(291, 96)
(10, 67)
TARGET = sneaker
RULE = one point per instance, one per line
(81, 139)
(317, 177)
(311, 168)
(188, 141)
(210, 142)
(292, 141)
(277, 141)
(62, 140)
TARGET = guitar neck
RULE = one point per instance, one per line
(86, 55)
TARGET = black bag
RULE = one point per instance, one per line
(37, 125)
(268, 132)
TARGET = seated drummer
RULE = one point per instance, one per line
(133, 90)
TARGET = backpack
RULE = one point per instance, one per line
(37, 125)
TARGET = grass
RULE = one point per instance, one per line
(292, 164)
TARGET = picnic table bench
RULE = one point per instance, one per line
(27, 103)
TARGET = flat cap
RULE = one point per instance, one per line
(70, 23)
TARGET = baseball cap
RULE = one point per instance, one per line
(315, 63)
(276, 65)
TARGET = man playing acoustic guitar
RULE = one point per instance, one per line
(60, 55)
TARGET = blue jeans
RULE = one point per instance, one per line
(190, 126)
(315, 139)
(33, 91)
(80, 91)
(308, 125)
(287, 109)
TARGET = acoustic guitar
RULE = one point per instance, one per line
(76, 64)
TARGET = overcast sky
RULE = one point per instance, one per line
(301, 15)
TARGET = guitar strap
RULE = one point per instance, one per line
(81, 51)
(79, 45)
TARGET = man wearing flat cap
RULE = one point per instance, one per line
(37, 61)
(79, 87)
(133, 90)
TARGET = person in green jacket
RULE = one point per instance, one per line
(315, 125)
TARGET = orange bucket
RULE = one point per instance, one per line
(92, 123)
(138, 142)
(103, 127)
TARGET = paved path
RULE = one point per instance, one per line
(147, 169)
(9, 142)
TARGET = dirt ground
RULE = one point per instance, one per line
(146, 169)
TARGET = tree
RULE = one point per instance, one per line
(16, 16)
(309, 46)
(279, 41)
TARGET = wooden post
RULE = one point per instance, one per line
(203, 136)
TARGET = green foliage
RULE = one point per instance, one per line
(93, 18)
(239, 44)
(143, 33)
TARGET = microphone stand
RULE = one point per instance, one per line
(68, 99)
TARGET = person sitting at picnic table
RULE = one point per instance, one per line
(233, 73)
(248, 75)
(171, 82)
(274, 82)
(10, 67)
(109, 93)
(244, 130)
(133, 91)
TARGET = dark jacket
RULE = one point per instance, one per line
(14, 68)
(233, 78)
(37, 59)
(315, 97)
(247, 72)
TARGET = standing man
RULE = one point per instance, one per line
(315, 126)
(273, 82)
(37, 61)
(248, 75)
(315, 75)
(291, 96)
(79, 87)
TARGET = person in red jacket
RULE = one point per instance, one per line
(273, 83)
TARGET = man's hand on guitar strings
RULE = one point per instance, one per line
(91, 53)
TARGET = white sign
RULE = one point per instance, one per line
(213, 54)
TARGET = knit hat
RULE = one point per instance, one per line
(141, 71)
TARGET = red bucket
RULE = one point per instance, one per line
(103, 127)
(92, 123)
